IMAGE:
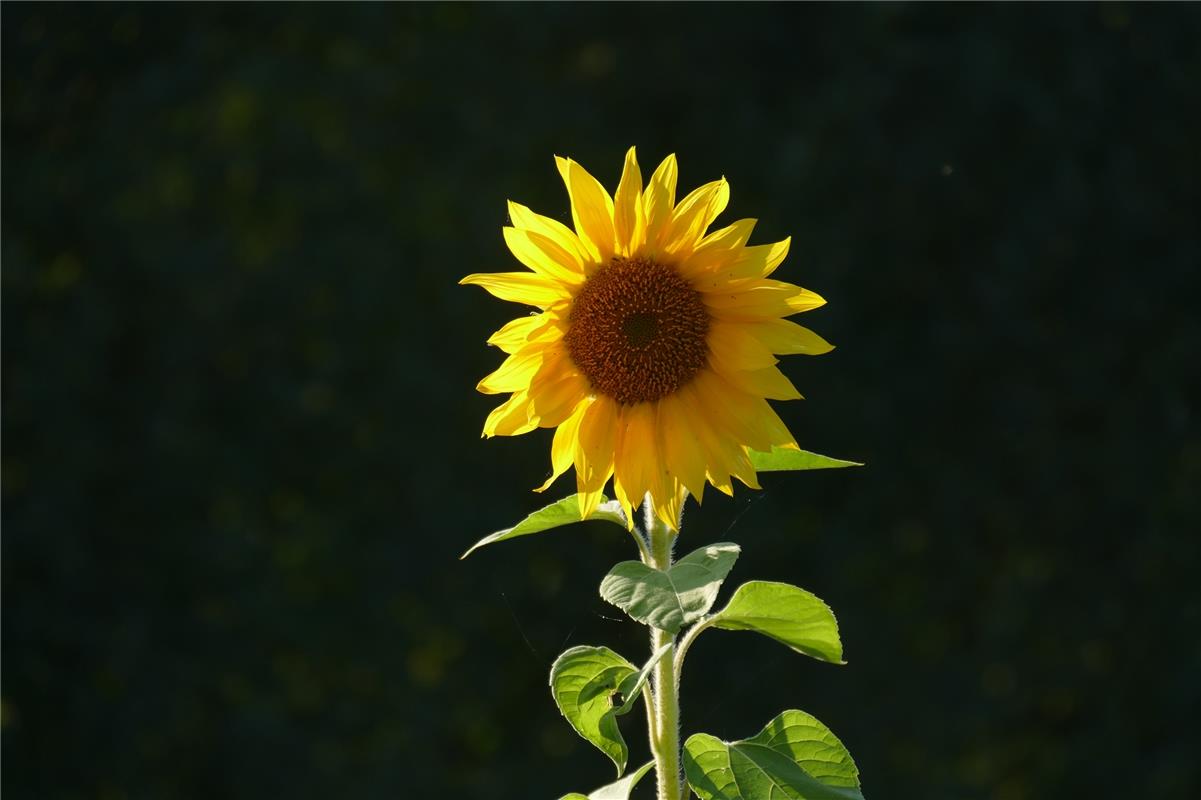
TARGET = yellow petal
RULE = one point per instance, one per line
(731, 345)
(521, 287)
(533, 328)
(769, 383)
(562, 449)
(635, 455)
(707, 437)
(552, 402)
(759, 300)
(719, 248)
(591, 209)
(693, 216)
(515, 373)
(737, 266)
(544, 256)
(682, 452)
(594, 453)
(729, 410)
(629, 220)
(552, 229)
(785, 337)
(659, 200)
(511, 418)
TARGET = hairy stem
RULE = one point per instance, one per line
(665, 727)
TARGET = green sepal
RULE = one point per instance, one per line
(786, 613)
(794, 757)
(781, 459)
(669, 600)
(614, 791)
(563, 512)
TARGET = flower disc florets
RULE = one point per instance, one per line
(637, 331)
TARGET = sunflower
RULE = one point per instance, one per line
(652, 352)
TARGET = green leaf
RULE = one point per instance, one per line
(781, 459)
(669, 600)
(586, 682)
(786, 613)
(614, 791)
(794, 757)
(564, 512)
(631, 688)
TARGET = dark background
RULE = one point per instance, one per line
(241, 443)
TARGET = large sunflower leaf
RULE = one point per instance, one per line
(794, 757)
(614, 791)
(786, 613)
(670, 599)
(781, 459)
(563, 512)
(587, 683)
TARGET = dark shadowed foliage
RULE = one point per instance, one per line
(241, 446)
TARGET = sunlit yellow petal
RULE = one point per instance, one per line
(562, 449)
(591, 209)
(768, 382)
(728, 410)
(553, 401)
(629, 219)
(659, 200)
(552, 229)
(636, 455)
(511, 418)
(533, 328)
(515, 373)
(719, 248)
(682, 452)
(594, 452)
(731, 345)
(693, 216)
(784, 337)
(759, 300)
(544, 256)
(521, 287)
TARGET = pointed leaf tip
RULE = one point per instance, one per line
(557, 514)
(782, 459)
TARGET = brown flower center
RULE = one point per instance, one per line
(637, 331)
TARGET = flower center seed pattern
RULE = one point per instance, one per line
(637, 331)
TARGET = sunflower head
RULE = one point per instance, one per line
(653, 350)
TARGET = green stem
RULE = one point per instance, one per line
(665, 730)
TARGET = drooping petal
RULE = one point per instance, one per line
(594, 453)
(636, 455)
(659, 200)
(591, 209)
(682, 454)
(629, 219)
(759, 300)
(553, 401)
(729, 410)
(521, 287)
(544, 256)
(563, 447)
(784, 337)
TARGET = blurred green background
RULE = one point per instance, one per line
(241, 446)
